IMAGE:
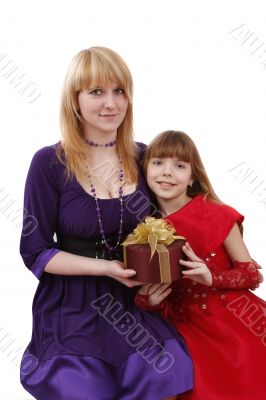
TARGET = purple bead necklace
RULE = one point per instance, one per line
(93, 191)
(92, 143)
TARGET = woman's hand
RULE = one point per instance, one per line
(115, 269)
(155, 293)
(198, 270)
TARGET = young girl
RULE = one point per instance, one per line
(222, 322)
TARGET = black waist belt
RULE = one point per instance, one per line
(93, 247)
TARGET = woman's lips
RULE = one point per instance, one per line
(108, 115)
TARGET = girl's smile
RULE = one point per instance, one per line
(169, 178)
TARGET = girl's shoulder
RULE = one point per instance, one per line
(221, 210)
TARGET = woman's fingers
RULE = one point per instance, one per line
(129, 282)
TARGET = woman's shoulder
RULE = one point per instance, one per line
(44, 164)
(141, 146)
(140, 150)
(46, 153)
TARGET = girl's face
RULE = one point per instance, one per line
(102, 108)
(168, 178)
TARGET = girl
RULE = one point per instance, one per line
(222, 322)
(83, 189)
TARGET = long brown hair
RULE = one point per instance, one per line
(178, 144)
(96, 65)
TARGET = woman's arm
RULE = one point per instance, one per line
(64, 263)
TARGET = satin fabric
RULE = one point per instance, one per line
(66, 377)
(225, 330)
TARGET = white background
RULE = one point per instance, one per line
(190, 74)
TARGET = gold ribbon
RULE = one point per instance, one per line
(158, 233)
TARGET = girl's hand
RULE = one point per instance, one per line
(115, 269)
(156, 292)
(199, 272)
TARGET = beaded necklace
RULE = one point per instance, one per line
(94, 194)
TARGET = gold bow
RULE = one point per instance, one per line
(152, 231)
(158, 233)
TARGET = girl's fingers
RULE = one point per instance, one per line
(190, 253)
(166, 293)
(191, 264)
(144, 289)
(158, 288)
(192, 272)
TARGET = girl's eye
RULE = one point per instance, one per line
(180, 166)
(96, 92)
(157, 162)
(119, 91)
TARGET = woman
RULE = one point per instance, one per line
(88, 190)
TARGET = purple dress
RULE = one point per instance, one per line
(89, 341)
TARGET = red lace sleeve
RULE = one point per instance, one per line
(243, 275)
(141, 301)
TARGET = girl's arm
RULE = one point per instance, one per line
(244, 274)
(151, 297)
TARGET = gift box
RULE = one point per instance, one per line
(153, 251)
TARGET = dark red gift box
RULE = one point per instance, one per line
(161, 268)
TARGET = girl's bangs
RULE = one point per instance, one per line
(171, 148)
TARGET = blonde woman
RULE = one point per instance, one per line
(89, 341)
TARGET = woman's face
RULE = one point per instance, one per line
(169, 178)
(102, 108)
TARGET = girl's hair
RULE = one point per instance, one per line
(90, 67)
(178, 144)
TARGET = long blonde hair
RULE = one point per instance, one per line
(178, 144)
(96, 65)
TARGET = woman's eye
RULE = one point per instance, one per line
(119, 91)
(96, 92)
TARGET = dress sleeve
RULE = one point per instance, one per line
(40, 212)
(219, 221)
(141, 147)
(242, 275)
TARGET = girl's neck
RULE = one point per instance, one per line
(168, 207)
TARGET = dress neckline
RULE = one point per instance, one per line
(183, 208)
(111, 198)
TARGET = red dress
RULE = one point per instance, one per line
(224, 325)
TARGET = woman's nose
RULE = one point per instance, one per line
(109, 101)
